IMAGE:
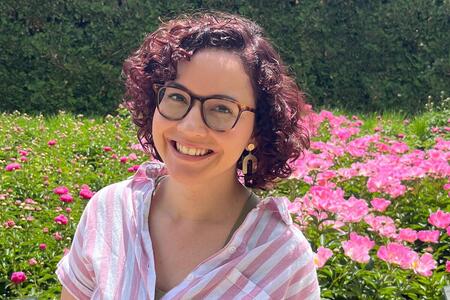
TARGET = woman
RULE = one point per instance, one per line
(213, 102)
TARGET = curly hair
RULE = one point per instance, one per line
(280, 105)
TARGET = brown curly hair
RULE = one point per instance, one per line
(280, 106)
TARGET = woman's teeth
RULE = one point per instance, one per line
(191, 151)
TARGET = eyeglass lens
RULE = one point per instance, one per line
(218, 114)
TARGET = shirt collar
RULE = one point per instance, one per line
(151, 170)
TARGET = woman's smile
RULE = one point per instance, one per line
(190, 152)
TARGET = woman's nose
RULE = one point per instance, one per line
(192, 123)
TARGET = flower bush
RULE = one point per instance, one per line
(372, 195)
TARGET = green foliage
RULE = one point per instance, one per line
(358, 55)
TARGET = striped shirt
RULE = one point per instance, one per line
(111, 256)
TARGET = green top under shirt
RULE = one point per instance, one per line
(251, 203)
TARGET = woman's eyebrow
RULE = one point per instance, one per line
(179, 85)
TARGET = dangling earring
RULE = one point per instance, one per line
(250, 161)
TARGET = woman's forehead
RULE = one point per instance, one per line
(216, 71)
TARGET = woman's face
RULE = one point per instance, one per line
(209, 72)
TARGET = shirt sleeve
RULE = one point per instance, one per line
(304, 283)
(75, 270)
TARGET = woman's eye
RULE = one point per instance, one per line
(177, 97)
(222, 109)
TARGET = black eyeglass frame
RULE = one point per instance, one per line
(158, 87)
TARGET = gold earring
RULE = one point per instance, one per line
(250, 162)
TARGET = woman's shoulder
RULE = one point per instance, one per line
(146, 174)
(275, 213)
(127, 195)
(279, 247)
(277, 207)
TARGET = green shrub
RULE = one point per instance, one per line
(358, 55)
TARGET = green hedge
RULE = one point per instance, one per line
(357, 55)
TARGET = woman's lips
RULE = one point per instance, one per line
(190, 145)
(188, 157)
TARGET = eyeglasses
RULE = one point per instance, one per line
(219, 112)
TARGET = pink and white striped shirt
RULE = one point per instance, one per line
(111, 256)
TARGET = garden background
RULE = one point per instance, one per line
(372, 193)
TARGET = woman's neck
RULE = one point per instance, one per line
(212, 202)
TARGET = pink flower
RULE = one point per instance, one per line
(358, 247)
(353, 210)
(408, 235)
(61, 190)
(107, 149)
(324, 177)
(344, 133)
(428, 236)
(398, 254)
(51, 142)
(439, 219)
(18, 277)
(132, 156)
(133, 168)
(382, 224)
(23, 152)
(12, 167)
(322, 256)
(32, 262)
(448, 230)
(399, 147)
(137, 147)
(123, 159)
(61, 219)
(325, 198)
(377, 183)
(318, 164)
(42, 246)
(57, 236)
(68, 210)
(86, 193)
(45, 230)
(447, 266)
(425, 264)
(23, 158)
(67, 198)
(9, 224)
(380, 204)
